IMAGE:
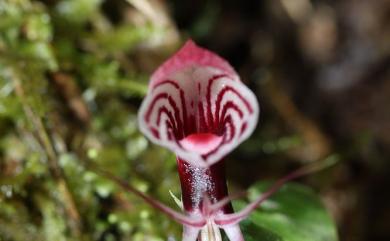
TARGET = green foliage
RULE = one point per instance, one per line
(294, 213)
(69, 91)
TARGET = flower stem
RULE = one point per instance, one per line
(199, 181)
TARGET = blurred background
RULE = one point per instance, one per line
(73, 74)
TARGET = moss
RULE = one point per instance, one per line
(69, 84)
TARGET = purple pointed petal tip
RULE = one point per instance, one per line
(197, 106)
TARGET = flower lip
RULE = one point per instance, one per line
(201, 143)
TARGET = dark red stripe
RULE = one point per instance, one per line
(208, 97)
(154, 132)
(184, 108)
(182, 99)
(170, 121)
(177, 116)
(171, 82)
(153, 103)
(223, 92)
(165, 110)
(202, 127)
(243, 128)
(230, 105)
(169, 130)
(228, 121)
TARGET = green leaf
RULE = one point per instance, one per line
(294, 213)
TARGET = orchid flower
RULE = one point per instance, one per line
(197, 107)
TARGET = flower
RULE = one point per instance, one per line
(197, 107)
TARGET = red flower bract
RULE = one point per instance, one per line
(197, 107)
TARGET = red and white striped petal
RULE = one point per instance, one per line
(197, 107)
